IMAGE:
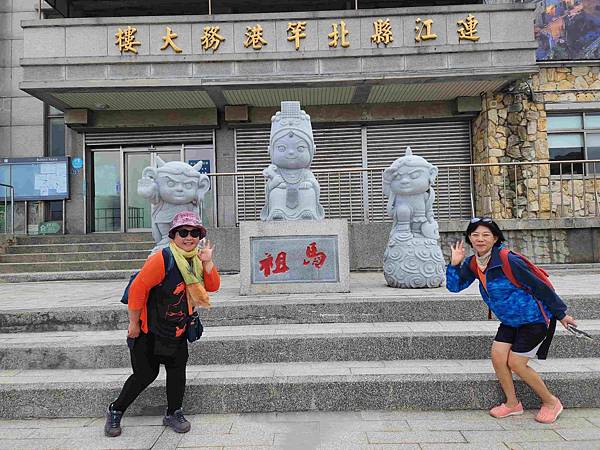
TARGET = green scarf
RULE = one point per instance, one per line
(193, 275)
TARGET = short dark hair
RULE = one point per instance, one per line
(489, 224)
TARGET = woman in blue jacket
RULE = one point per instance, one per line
(523, 331)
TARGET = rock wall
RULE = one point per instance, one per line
(512, 127)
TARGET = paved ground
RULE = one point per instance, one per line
(63, 294)
(576, 429)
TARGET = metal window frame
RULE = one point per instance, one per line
(121, 141)
(583, 130)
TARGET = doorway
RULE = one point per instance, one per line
(115, 204)
(137, 208)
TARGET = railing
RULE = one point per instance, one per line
(109, 219)
(3, 221)
(540, 189)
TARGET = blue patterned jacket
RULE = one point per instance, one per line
(513, 306)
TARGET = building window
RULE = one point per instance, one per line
(55, 146)
(574, 137)
(55, 138)
(54, 210)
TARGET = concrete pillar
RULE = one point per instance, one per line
(75, 207)
(225, 155)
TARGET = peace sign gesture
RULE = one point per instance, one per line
(206, 252)
(458, 253)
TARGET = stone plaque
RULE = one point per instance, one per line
(294, 259)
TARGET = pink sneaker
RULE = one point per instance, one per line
(502, 410)
(549, 415)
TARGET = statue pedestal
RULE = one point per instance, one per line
(294, 257)
(412, 262)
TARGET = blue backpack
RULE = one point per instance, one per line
(169, 262)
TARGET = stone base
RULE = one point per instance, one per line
(413, 263)
(276, 257)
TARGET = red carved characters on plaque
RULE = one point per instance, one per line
(315, 257)
(266, 264)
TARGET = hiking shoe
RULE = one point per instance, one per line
(502, 410)
(177, 422)
(112, 427)
(549, 415)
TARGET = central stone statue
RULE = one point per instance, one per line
(413, 258)
(171, 187)
(292, 191)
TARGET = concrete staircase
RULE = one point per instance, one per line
(72, 257)
(374, 349)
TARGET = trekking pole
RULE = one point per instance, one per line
(580, 333)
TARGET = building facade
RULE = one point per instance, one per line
(457, 81)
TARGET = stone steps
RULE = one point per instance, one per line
(79, 247)
(106, 274)
(61, 239)
(63, 352)
(383, 341)
(82, 256)
(271, 310)
(325, 386)
(67, 257)
(67, 266)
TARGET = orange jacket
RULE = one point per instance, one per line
(152, 274)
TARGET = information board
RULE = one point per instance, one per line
(44, 178)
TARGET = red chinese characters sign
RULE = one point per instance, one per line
(280, 264)
(315, 257)
(294, 259)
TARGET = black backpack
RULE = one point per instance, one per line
(169, 262)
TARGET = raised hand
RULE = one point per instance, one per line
(146, 187)
(458, 253)
(206, 252)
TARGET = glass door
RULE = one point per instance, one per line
(106, 185)
(137, 208)
(205, 154)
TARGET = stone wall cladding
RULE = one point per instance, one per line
(512, 127)
(541, 246)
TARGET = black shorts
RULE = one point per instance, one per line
(525, 339)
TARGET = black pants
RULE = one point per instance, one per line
(145, 364)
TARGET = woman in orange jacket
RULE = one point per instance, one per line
(160, 304)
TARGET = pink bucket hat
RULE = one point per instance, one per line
(188, 219)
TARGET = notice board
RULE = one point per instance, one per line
(44, 178)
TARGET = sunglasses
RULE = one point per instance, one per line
(481, 219)
(193, 233)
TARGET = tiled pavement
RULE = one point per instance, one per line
(576, 429)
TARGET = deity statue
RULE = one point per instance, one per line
(171, 187)
(292, 191)
(413, 258)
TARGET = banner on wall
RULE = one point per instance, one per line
(567, 29)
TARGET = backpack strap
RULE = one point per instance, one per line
(507, 269)
(473, 267)
(168, 260)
